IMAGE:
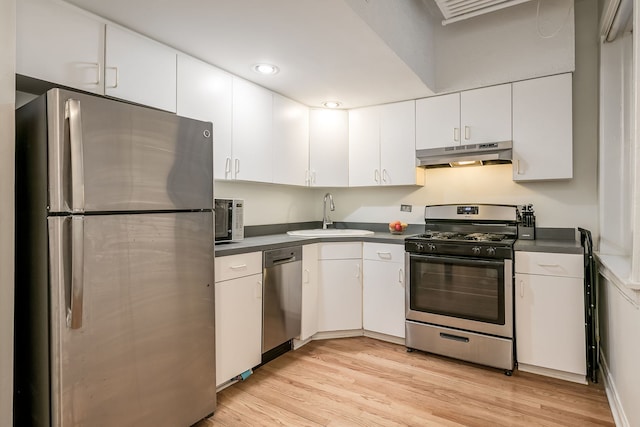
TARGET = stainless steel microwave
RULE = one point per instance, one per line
(229, 220)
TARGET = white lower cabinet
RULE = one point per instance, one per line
(383, 289)
(309, 319)
(339, 286)
(550, 322)
(238, 314)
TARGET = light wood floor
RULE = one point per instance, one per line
(366, 382)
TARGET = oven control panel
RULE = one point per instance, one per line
(469, 249)
(467, 210)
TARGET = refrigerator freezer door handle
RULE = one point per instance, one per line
(72, 113)
(74, 311)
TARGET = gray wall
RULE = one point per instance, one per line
(7, 109)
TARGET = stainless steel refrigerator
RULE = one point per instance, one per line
(114, 265)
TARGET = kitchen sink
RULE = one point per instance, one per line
(330, 232)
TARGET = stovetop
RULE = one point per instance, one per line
(452, 235)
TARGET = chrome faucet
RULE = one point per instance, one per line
(325, 218)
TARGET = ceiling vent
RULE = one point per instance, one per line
(458, 10)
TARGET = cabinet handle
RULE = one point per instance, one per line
(456, 134)
(306, 276)
(307, 178)
(238, 267)
(384, 255)
(521, 289)
(237, 171)
(401, 277)
(98, 74)
(548, 265)
(313, 177)
(227, 167)
(385, 175)
(259, 289)
(376, 175)
(518, 170)
(117, 77)
(357, 271)
(467, 133)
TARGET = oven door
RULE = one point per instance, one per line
(463, 293)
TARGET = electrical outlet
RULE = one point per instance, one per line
(405, 208)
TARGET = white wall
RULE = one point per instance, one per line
(273, 204)
(408, 28)
(505, 46)
(620, 346)
(7, 138)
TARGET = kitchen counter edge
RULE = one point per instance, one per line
(261, 243)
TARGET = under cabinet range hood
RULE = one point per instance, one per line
(490, 153)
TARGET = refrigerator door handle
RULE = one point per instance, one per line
(73, 114)
(74, 311)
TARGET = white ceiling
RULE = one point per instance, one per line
(324, 49)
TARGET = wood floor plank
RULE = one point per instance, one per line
(366, 382)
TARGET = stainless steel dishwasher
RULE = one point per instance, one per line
(281, 297)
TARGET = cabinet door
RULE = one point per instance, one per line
(328, 148)
(139, 69)
(339, 295)
(550, 322)
(204, 93)
(57, 43)
(238, 326)
(383, 297)
(438, 121)
(252, 126)
(364, 147)
(543, 129)
(485, 115)
(290, 141)
(309, 291)
(398, 145)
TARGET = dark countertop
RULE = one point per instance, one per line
(552, 240)
(281, 240)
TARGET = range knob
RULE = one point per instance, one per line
(491, 251)
(431, 247)
(475, 250)
(419, 246)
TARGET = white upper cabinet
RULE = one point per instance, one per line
(398, 145)
(543, 128)
(58, 43)
(438, 121)
(485, 115)
(205, 93)
(471, 117)
(328, 148)
(364, 147)
(290, 141)
(139, 69)
(252, 132)
(382, 146)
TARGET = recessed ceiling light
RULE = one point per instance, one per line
(331, 104)
(266, 69)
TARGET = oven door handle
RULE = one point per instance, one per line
(457, 260)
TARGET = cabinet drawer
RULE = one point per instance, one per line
(340, 250)
(549, 264)
(383, 252)
(234, 266)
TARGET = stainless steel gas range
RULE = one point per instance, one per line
(459, 302)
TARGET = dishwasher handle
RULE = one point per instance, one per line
(281, 256)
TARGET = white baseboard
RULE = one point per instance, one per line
(554, 373)
(612, 394)
(384, 337)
